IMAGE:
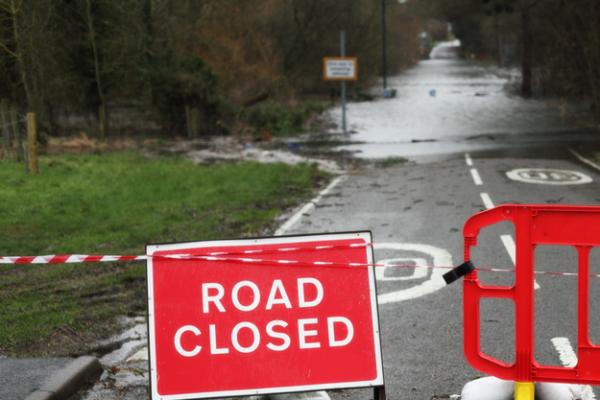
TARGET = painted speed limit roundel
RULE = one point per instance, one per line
(548, 176)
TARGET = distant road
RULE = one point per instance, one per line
(465, 138)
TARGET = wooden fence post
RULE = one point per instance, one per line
(32, 147)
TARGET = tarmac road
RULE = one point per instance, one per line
(416, 212)
(462, 140)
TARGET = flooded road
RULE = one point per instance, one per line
(511, 150)
(446, 105)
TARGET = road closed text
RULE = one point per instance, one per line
(277, 335)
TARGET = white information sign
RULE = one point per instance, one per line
(340, 69)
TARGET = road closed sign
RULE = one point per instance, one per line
(256, 316)
(340, 69)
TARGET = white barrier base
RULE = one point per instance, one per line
(490, 388)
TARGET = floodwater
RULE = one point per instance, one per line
(446, 105)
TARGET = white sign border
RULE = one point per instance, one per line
(366, 236)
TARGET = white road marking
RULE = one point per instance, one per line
(487, 200)
(509, 245)
(468, 160)
(584, 160)
(507, 240)
(548, 176)
(568, 358)
(440, 257)
(308, 207)
(565, 351)
(476, 177)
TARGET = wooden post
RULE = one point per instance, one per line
(32, 147)
(188, 121)
(102, 121)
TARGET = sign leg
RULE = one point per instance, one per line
(379, 393)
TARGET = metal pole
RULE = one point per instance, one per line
(383, 45)
(343, 54)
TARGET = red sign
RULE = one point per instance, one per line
(260, 316)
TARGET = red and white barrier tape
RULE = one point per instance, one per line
(219, 257)
(86, 258)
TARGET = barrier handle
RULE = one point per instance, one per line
(482, 219)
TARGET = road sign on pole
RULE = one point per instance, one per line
(259, 322)
(342, 69)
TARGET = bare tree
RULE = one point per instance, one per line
(13, 14)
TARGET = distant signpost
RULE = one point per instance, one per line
(342, 69)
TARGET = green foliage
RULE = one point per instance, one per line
(114, 204)
(81, 61)
(390, 162)
(178, 82)
(280, 120)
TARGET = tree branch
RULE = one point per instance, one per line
(9, 51)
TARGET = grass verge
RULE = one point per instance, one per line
(114, 204)
(389, 162)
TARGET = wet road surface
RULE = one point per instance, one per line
(450, 106)
(416, 212)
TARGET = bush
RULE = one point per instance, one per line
(281, 120)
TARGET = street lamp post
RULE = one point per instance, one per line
(383, 46)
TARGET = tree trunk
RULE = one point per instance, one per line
(14, 123)
(527, 52)
(192, 115)
(498, 37)
(102, 118)
(4, 124)
(18, 54)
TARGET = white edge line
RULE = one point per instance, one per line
(509, 245)
(308, 206)
(476, 177)
(468, 160)
(568, 358)
(585, 160)
(487, 200)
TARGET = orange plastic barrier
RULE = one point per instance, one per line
(577, 226)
